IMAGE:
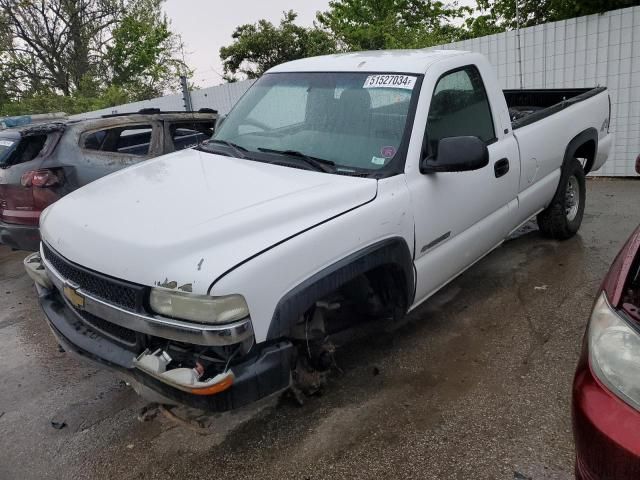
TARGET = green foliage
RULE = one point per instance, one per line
(52, 102)
(383, 24)
(260, 46)
(73, 55)
(480, 26)
(501, 14)
(140, 57)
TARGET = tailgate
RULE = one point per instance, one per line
(19, 154)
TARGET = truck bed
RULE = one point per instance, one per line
(529, 106)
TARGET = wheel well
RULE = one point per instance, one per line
(587, 151)
(389, 282)
(385, 269)
(377, 294)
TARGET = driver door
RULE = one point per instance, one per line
(460, 216)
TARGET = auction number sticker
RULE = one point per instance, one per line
(390, 81)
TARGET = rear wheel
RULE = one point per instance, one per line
(563, 217)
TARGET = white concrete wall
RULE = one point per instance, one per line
(580, 52)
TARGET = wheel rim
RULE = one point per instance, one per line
(572, 198)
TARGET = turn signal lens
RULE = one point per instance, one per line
(216, 388)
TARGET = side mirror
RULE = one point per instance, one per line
(457, 154)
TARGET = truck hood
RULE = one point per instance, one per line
(184, 219)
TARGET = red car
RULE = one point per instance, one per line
(606, 387)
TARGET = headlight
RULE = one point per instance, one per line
(614, 351)
(198, 308)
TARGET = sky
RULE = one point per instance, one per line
(207, 25)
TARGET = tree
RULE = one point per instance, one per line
(53, 42)
(501, 14)
(588, 7)
(6, 81)
(78, 48)
(480, 26)
(383, 24)
(260, 46)
(141, 57)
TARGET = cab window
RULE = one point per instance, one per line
(459, 107)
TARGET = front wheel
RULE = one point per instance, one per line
(563, 217)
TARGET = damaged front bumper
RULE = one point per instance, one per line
(85, 326)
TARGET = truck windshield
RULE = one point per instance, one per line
(350, 120)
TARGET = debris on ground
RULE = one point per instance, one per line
(520, 476)
(192, 424)
(148, 412)
(58, 425)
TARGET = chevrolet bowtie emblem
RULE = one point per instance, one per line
(73, 296)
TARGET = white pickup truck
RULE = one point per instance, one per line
(339, 189)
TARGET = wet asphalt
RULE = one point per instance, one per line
(476, 384)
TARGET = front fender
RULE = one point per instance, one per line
(379, 231)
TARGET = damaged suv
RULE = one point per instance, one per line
(339, 190)
(39, 164)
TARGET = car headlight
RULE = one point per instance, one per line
(614, 352)
(198, 308)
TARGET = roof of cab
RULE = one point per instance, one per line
(400, 61)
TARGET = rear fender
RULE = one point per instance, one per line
(579, 141)
(583, 139)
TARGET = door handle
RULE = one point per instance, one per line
(501, 167)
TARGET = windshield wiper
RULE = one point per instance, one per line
(238, 149)
(319, 164)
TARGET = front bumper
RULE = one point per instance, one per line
(20, 237)
(265, 370)
(606, 430)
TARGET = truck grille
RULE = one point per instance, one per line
(112, 290)
(123, 334)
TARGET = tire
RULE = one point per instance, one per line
(562, 218)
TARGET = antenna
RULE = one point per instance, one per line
(186, 94)
(519, 44)
(184, 83)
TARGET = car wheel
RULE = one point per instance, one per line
(563, 217)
